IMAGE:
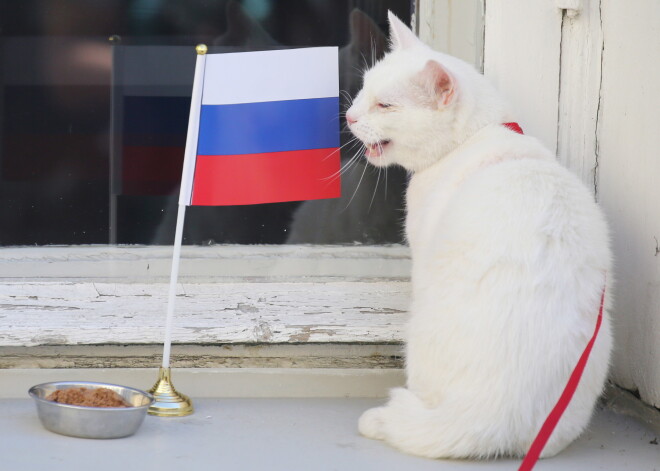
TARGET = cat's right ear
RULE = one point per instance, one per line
(400, 35)
(439, 82)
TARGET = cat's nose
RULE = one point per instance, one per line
(350, 119)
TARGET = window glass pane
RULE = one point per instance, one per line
(94, 102)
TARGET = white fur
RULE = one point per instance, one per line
(510, 255)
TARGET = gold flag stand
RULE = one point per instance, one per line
(168, 401)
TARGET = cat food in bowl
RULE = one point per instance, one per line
(90, 397)
(90, 410)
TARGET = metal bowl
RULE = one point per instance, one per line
(91, 422)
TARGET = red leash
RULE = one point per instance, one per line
(550, 423)
(553, 418)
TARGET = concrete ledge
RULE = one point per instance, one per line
(624, 402)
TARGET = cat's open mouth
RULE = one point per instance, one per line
(376, 149)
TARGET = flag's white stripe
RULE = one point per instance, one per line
(290, 74)
(190, 155)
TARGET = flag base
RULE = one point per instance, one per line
(168, 402)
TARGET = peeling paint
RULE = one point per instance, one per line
(308, 331)
(380, 310)
(197, 330)
(36, 307)
(246, 308)
(50, 340)
(263, 332)
(349, 312)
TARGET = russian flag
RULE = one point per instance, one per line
(264, 128)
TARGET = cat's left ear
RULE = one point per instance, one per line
(400, 35)
(439, 82)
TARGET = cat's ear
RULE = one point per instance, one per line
(439, 82)
(400, 35)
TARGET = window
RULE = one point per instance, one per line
(95, 101)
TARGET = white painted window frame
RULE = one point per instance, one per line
(226, 295)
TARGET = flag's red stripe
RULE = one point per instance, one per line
(553, 418)
(266, 178)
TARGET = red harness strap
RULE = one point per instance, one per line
(553, 418)
(514, 127)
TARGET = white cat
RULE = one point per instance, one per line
(510, 256)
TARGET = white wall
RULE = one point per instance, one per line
(521, 57)
(588, 87)
(629, 185)
(453, 26)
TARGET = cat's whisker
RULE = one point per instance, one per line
(366, 63)
(346, 167)
(386, 177)
(351, 141)
(356, 188)
(375, 191)
(357, 154)
(351, 162)
(359, 70)
(347, 96)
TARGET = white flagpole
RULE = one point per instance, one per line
(168, 402)
(185, 193)
(176, 255)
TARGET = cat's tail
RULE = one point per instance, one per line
(408, 424)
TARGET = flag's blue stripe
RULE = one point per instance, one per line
(278, 126)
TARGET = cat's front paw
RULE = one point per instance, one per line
(371, 423)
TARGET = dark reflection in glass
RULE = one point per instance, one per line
(94, 103)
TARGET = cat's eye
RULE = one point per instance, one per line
(383, 105)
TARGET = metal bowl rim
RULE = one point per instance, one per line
(34, 396)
